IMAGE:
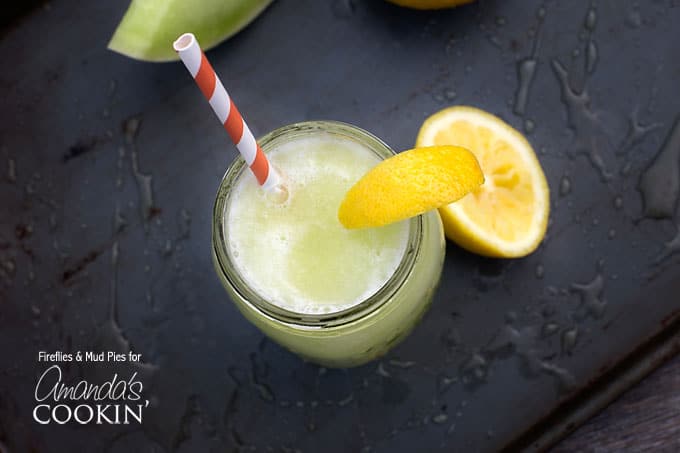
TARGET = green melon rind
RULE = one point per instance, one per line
(149, 27)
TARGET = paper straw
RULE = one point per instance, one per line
(203, 73)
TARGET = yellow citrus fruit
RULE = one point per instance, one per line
(508, 215)
(430, 4)
(410, 183)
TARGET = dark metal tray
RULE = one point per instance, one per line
(109, 168)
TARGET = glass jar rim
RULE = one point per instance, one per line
(270, 310)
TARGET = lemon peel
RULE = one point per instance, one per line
(410, 183)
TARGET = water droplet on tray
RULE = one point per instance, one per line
(540, 14)
(636, 133)
(670, 248)
(660, 182)
(168, 248)
(381, 371)
(10, 267)
(549, 329)
(591, 19)
(131, 129)
(591, 56)
(440, 418)
(582, 121)
(495, 41)
(539, 271)
(565, 186)
(444, 383)
(618, 202)
(591, 296)
(119, 222)
(475, 367)
(526, 70)
(347, 400)
(564, 377)
(144, 189)
(264, 392)
(112, 87)
(119, 167)
(569, 338)
(402, 364)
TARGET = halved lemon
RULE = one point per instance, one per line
(408, 184)
(507, 216)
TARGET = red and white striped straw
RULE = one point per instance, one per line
(203, 73)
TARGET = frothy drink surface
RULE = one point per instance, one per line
(297, 255)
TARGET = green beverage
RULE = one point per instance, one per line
(335, 296)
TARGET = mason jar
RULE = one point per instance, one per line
(371, 326)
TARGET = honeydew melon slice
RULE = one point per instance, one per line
(149, 27)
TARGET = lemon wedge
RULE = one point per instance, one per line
(508, 215)
(410, 183)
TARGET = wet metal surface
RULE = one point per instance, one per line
(109, 166)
